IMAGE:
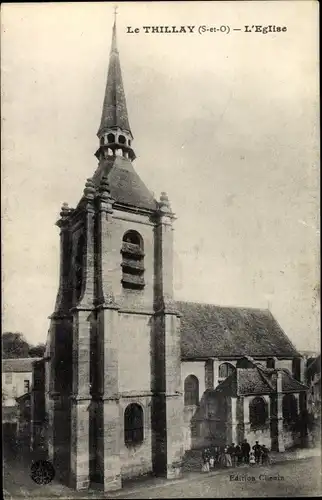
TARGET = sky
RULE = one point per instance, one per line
(225, 123)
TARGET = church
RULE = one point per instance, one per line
(131, 378)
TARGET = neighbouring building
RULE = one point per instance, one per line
(16, 383)
(16, 378)
(132, 378)
(313, 380)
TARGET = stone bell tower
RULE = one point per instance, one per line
(115, 328)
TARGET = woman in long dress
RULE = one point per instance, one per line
(227, 458)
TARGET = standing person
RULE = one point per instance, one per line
(238, 453)
(257, 451)
(222, 456)
(227, 455)
(233, 454)
(205, 460)
(216, 455)
(245, 447)
(265, 455)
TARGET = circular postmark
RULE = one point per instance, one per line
(42, 472)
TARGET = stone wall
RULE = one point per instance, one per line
(196, 368)
(284, 363)
(129, 299)
(134, 344)
(289, 437)
(262, 435)
(137, 460)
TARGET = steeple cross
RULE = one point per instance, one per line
(115, 12)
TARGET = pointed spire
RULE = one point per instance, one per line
(114, 114)
(114, 43)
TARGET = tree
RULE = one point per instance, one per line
(37, 351)
(14, 345)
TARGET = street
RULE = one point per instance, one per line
(292, 478)
(301, 478)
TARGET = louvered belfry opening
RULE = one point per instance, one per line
(132, 261)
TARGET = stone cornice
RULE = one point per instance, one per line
(148, 312)
(82, 307)
(80, 398)
(60, 315)
(105, 305)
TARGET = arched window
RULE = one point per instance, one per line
(133, 425)
(289, 408)
(191, 391)
(129, 142)
(225, 369)
(102, 141)
(132, 260)
(257, 412)
(111, 138)
(122, 139)
(270, 363)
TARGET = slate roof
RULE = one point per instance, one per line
(215, 331)
(114, 112)
(125, 184)
(18, 365)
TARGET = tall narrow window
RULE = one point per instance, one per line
(289, 408)
(26, 385)
(132, 260)
(257, 412)
(191, 391)
(133, 425)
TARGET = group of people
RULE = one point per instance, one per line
(235, 455)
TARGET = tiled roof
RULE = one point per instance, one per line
(125, 184)
(289, 384)
(18, 365)
(210, 331)
(228, 386)
(250, 381)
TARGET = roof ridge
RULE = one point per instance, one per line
(266, 379)
(21, 359)
(223, 306)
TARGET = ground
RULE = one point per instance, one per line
(300, 478)
(297, 478)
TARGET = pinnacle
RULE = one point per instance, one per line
(89, 191)
(65, 210)
(164, 203)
